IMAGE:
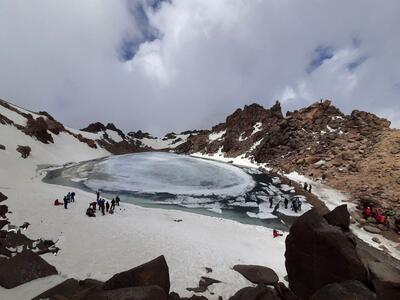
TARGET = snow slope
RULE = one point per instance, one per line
(102, 246)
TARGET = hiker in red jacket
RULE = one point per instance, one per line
(367, 212)
(275, 233)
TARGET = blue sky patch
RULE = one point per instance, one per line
(320, 55)
(356, 63)
(147, 33)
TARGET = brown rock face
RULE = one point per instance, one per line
(24, 150)
(22, 268)
(318, 254)
(154, 272)
(38, 128)
(94, 127)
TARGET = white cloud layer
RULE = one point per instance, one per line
(211, 57)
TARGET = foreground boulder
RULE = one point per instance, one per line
(349, 290)
(24, 150)
(154, 272)
(255, 293)
(3, 197)
(3, 223)
(3, 211)
(22, 268)
(339, 217)
(257, 274)
(386, 280)
(92, 289)
(318, 254)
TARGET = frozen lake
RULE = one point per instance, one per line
(166, 180)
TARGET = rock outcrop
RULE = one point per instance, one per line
(318, 254)
(22, 268)
(351, 290)
(3, 197)
(24, 150)
(154, 272)
(339, 217)
(257, 274)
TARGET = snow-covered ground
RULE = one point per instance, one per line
(164, 143)
(102, 246)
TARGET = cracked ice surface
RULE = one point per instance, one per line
(167, 173)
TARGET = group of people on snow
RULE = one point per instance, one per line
(295, 204)
(70, 197)
(102, 205)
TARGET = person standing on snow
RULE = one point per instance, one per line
(65, 202)
(117, 200)
(107, 206)
(113, 203)
(286, 202)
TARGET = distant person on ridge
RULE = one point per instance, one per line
(305, 186)
(270, 202)
(98, 195)
(117, 200)
(309, 188)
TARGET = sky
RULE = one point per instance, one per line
(174, 65)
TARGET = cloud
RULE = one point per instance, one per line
(174, 65)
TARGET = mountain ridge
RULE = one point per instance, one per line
(356, 153)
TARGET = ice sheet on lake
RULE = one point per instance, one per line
(168, 173)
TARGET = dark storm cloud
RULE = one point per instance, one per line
(174, 65)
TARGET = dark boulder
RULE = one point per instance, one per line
(14, 239)
(24, 150)
(149, 292)
(90, 289)
(349, 290)
(284, 292)
(2, 147)
(255, 293)
(257, 274)
(3, 211)
(22, 268)
(318, 254)
(339, 217)
(65, 289)
(194, 297)
(154, 272)
(3, 223)
(3, 197)
(385, 279)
